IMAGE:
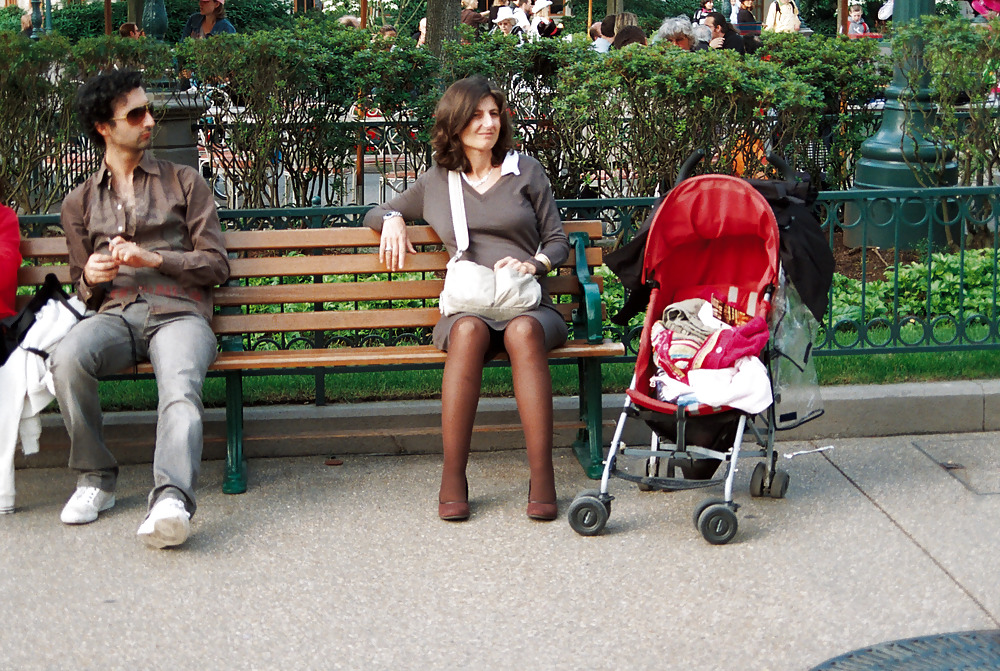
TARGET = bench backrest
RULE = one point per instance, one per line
(326, 284)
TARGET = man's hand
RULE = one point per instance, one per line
(717, 42)
(130, 254)
(100, 268)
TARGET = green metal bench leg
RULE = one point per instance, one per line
(588, 446)
(235, 481)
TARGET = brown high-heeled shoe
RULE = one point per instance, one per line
(455, 511)
(542, 511)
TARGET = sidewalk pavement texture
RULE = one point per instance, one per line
(348, 567)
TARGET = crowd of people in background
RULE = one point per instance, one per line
(535, 19)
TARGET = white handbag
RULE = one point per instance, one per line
(470, 287)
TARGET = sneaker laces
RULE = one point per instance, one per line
(86, 495)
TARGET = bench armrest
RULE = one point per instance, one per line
(587, 321)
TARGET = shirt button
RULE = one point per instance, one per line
(718, 350)
(119, 206)
(121, 228)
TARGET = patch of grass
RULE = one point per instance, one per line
(916, 367)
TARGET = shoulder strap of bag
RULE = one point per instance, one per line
(458, 220)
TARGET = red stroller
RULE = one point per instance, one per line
(714, 236)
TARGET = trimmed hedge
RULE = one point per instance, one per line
(614, 125)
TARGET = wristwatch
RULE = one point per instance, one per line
(390, 214)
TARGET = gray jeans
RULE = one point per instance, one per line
(181, 348)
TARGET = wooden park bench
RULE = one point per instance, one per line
(325, 288)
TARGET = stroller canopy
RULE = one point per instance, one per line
(712, 232)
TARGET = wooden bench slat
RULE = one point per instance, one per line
(319, 238)
(32, 247)
(338, 320)
(361, 264)
(35, 275)
(333, 292)
(374, 356)
(313, 238)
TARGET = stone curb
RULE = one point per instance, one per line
(412, 427)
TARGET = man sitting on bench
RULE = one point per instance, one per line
(145, 250)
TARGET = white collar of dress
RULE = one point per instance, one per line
(509, 165)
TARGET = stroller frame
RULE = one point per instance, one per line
(700, 437)
(715, 518)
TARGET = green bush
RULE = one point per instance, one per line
(610, 125)
(951, 285)
(74, 22)
(848, 74)
(10, 19)
(963, 63)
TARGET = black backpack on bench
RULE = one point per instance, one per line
(13, 329)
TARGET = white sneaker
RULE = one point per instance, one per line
(85, 504)
(167, 524)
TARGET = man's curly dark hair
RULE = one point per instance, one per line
(95, 100)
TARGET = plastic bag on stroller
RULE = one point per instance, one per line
(797, 396)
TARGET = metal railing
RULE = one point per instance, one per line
(919, 266)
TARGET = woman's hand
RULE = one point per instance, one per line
(523, 267)
(394, 244)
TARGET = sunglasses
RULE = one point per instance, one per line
(136, 115)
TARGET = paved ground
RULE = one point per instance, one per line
(348, 567)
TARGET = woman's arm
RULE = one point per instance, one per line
(552, 241)
(190, 26)
(390, 219)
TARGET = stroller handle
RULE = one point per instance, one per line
(787, 173)
(689, 165)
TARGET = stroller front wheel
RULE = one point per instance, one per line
(587, 515)
(718, 524)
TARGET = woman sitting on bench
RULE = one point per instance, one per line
(512, 221)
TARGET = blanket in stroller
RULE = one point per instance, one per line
(707, 352)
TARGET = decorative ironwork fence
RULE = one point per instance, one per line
(939, 294)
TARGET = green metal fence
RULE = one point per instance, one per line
(917, 267)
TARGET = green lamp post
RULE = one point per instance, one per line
(154, 18)
(900, 156)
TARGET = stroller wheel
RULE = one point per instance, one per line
(587, 515)
(595, 494)
(718, 524)
(757, 479)
(779, 485)
(703, 506)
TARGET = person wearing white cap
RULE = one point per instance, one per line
(542, 24)
(209, 20)
(506, 22)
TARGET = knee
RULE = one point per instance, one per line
(523, 332)
(69, 360)
(468, 331)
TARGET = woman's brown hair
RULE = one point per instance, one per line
(454, 112)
